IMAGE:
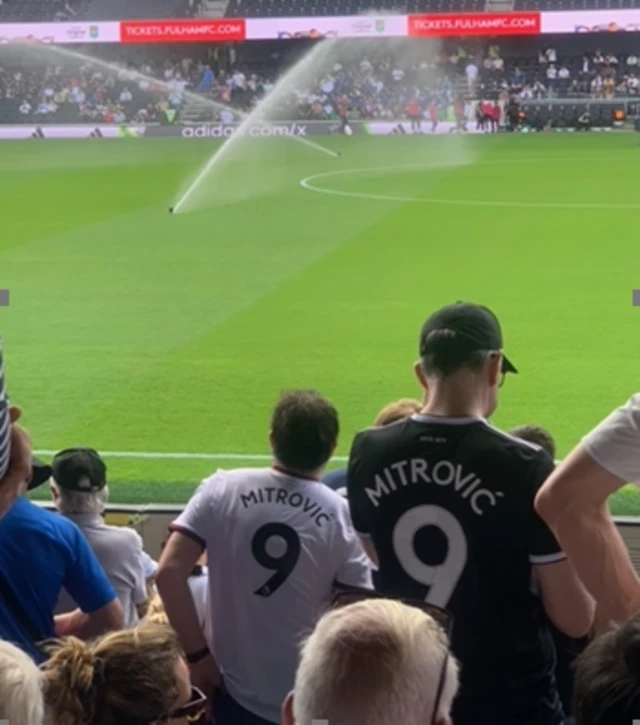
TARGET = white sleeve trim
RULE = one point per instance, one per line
(363, 536)
(547, 558)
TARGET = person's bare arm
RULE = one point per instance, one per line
(573, 502)
(566, 601)
(178, 559)
(87, 626)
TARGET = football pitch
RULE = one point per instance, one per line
(165, 340)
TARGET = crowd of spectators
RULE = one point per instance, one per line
(363, 84)
(318, 602)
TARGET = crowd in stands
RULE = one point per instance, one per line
(451, 574)
(375, 83)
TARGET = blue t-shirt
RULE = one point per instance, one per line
(40, 553)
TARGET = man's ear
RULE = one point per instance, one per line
(495, 368)
(287, 711)
(419, 372)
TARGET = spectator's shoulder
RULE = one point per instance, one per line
(126, 535)
(515, 450)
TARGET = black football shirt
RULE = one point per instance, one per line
(448, 505)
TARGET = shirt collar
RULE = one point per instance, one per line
(86, 519)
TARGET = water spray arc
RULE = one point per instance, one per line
(300, 71)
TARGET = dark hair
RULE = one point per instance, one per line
(446, 355)
(607, 681)
(304, 430)
(536, 434)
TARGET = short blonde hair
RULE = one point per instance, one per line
(20, 687)
(397, 411)
(377, 661)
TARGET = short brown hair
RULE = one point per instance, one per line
(539, 436)
(399, 410)
(607, 682)
(304, 430)
(124, 678)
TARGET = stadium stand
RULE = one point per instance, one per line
(552, 5)
(318, 8)
(373, 85)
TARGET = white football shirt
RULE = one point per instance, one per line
(615, 443)
(276, 547)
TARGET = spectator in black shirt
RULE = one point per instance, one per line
(443, 502)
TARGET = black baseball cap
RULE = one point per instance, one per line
(40, 473)
(79, 469)
(471, 327)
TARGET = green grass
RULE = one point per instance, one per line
(132, 330)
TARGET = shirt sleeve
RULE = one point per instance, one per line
(615, 443)
(5, 432)
(195, 520)
(355, 567)
(356, 482)
(140, 594)
(85, 581)
(543, 547)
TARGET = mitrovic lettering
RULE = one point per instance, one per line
(287, 498)
(443, 473)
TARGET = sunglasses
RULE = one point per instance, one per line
(195, 711)
(350, 595)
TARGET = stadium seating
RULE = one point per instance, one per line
(315, 8)
(550, 5)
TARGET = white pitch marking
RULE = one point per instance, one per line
(185, 456)
(307, 184)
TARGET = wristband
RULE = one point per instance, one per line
(195, 657)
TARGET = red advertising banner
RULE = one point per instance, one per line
(473, 24)
(183, 31)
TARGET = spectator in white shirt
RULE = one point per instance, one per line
(611, 59)
(25, 108)
(598, 58)
(632, 60)
(238, 78)
(596, 85)
(471, 72)
(397, 74)
(551, 55)
(564, 73)
(573, 502)
(261, 602)
(586, 65)
(539, 89)
(126, 96)
(633, 84)
(79, 491)
(552, 74)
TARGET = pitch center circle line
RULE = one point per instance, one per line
(308, 184)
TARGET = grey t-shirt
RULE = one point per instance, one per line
(615, 443)
(119, 551)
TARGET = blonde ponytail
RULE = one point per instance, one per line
(69, 675)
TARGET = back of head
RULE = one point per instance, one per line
(539, 436)
(376, 662)
(20, 687)
(607, 680)
(124, 678)
(304, 430)
(399, 410)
